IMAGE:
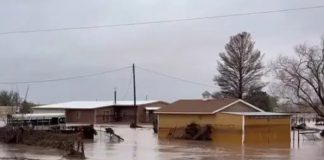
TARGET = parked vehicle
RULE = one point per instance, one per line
(38, 120)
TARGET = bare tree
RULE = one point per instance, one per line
(9, 98)
(302, 77)
(240, 68)
(26, 107)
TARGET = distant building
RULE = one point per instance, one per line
(5, 110)
(300, 113)
(232, 121)
(101, 112)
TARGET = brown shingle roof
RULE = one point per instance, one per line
(196, 106)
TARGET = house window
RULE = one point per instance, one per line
(106, 116)
(78, 115)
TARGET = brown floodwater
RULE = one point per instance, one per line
(142, 144)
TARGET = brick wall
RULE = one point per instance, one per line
(84, 116)
(105, 115)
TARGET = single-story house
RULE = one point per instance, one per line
(232, 121)
(5, 110)
(101, 112)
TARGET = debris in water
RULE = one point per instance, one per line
(112, 135)
(192, 131)
(29, 136)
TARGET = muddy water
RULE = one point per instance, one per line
(142, 144)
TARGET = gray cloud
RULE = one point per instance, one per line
(185, 49)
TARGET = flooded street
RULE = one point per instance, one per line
(142, 144)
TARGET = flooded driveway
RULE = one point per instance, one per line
(142, 144)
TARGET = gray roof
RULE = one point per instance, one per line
(258, 113)
(92, 104)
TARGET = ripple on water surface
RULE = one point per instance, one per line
(142, 144)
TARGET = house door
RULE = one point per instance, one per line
(107, 116)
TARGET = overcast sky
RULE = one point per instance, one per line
(187, 50)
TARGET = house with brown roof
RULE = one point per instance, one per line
(232, 121)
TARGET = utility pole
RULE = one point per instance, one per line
(115, 96)
(135, 106)
(24, 104)
(26, 94)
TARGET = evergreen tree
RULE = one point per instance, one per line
(240, 67)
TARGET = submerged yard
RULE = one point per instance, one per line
(142, 144)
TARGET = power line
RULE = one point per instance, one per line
(128, 86)
(65, 78)
(165, 21)
(176, 78)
